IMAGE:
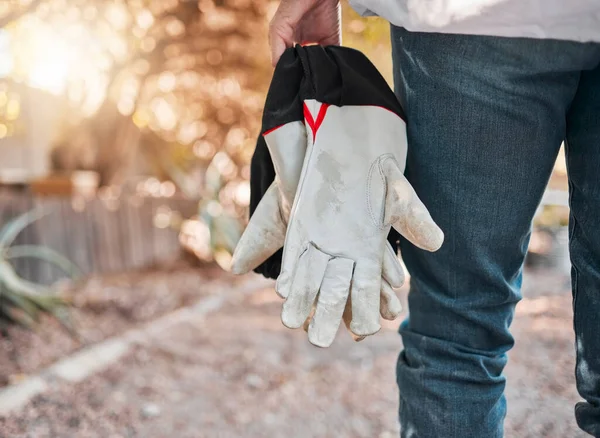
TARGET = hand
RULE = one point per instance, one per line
(304, 22)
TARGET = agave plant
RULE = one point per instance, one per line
(22, 302)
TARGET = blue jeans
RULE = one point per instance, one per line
(486, 118)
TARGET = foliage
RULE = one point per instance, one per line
(23, 302)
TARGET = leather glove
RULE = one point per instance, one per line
(351, 190)
(265, 233)
(277, 163)
(342, 77)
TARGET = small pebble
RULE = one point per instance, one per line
(150, 410)
(254, 381)
(270, 418)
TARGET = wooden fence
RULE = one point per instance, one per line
(99, 235)
(103, 235)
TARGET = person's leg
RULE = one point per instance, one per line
(486, 117)
(583, 165)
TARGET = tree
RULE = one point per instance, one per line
(153, 75)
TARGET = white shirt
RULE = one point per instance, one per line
(576, 20)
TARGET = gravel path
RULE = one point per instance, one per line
(240, 373)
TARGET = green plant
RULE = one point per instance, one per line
(22, 302)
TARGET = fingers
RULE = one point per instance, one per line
(304, 22)
(389, 307)
(365, 290)
(347, 317)
(263, 236)
(331, 302)
(392, 270)
(407, 214)
(289, 263)
(283, 25)
(321, 24)
(307, 280)
(307, 322)
(320, 307)
(278, 45)
(335, 39)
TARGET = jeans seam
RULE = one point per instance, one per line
(572, 234)
(575, 292)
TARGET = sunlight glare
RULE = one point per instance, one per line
(5, 59)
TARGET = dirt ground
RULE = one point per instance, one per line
(104, 306)
(239, 373)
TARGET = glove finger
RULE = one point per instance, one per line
(392, 270)
(263, 236)
(347, 317)
(331, 302)
(307, 320)
(291, 254)
(304, 288)
(407, 214)
(389, 306)
(365, 291)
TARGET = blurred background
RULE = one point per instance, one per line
(126, 131)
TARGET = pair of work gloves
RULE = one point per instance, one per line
(327, 186)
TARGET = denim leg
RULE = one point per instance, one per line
(486, 117)
(583, 164)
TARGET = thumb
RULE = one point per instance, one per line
(263, 236)
(407, 214)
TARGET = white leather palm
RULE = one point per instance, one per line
(351, 190)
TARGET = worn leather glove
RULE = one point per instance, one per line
(351, 190)
(265, 233)
(345, 79)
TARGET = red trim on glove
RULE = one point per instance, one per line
(315, 124)
(268, 131)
